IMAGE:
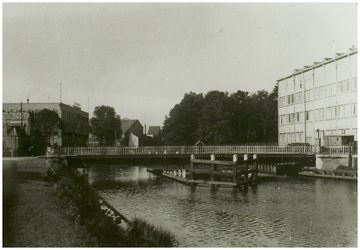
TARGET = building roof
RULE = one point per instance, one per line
(126, 124)
(154, 130)
(326, 60)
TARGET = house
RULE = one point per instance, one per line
(319, 101)
(154, 131)
(132, 133)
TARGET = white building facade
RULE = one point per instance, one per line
(319, 100)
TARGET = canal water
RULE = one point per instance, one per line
(279, 212)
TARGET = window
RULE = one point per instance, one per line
(297, 98)
(292, 98)
(333, 112)
(289, 118)
(328, 113)
(347, 110)
(341, 111)
(298, 117)
(301, 97)
(346, 85)
(333, 89)
(341, 86)
(317, 114)
(328, 90)
(354, 84)
(321, 92)
(322, 114)
(354, 109)
(289, 100)
(311, 94)
(309, 115)
(316, 91)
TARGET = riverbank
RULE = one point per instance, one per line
(32, 215)
(64, 211)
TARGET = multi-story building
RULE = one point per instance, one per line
(319, 100)
(76, 121)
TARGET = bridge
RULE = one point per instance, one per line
(179, 156)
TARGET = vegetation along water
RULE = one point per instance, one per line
(279, 212)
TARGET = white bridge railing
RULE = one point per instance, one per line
(188, 150)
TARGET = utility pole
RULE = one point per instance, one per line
(60, 92)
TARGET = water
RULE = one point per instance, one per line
(279, 212)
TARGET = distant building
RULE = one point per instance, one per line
(76, 121)
(132, 133)
(319, 100)
(154, 131)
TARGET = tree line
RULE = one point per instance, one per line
(220, 118)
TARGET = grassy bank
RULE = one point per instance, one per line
(85, 208)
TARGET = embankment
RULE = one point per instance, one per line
(50, 205)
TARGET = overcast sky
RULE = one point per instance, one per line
(141, 58)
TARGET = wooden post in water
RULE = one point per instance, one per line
(350, 156)
(192, 176)
(255, 167)
(246, 173)
(235, 168)
(213, 167)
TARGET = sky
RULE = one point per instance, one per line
(141, 58)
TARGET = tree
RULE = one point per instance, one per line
(264, 119)
(105, 125)
(241, 115)
(47, 122)
(180, 127)
(216, 120)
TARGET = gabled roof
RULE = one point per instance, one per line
(126, 124)
(154, 130)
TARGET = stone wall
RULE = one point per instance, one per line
(332, 162)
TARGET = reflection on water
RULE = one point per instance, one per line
(279, 212)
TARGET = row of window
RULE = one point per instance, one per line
(340, 111)
(319, 92)
(292, 137)
(72, 117)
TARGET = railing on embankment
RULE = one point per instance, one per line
(188, 150)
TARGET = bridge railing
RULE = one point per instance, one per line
(188, 150)
(334, 150)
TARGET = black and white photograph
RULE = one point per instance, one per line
(180, 124)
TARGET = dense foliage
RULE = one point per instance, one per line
(105, 125)
(47, 122)
(220, 118)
